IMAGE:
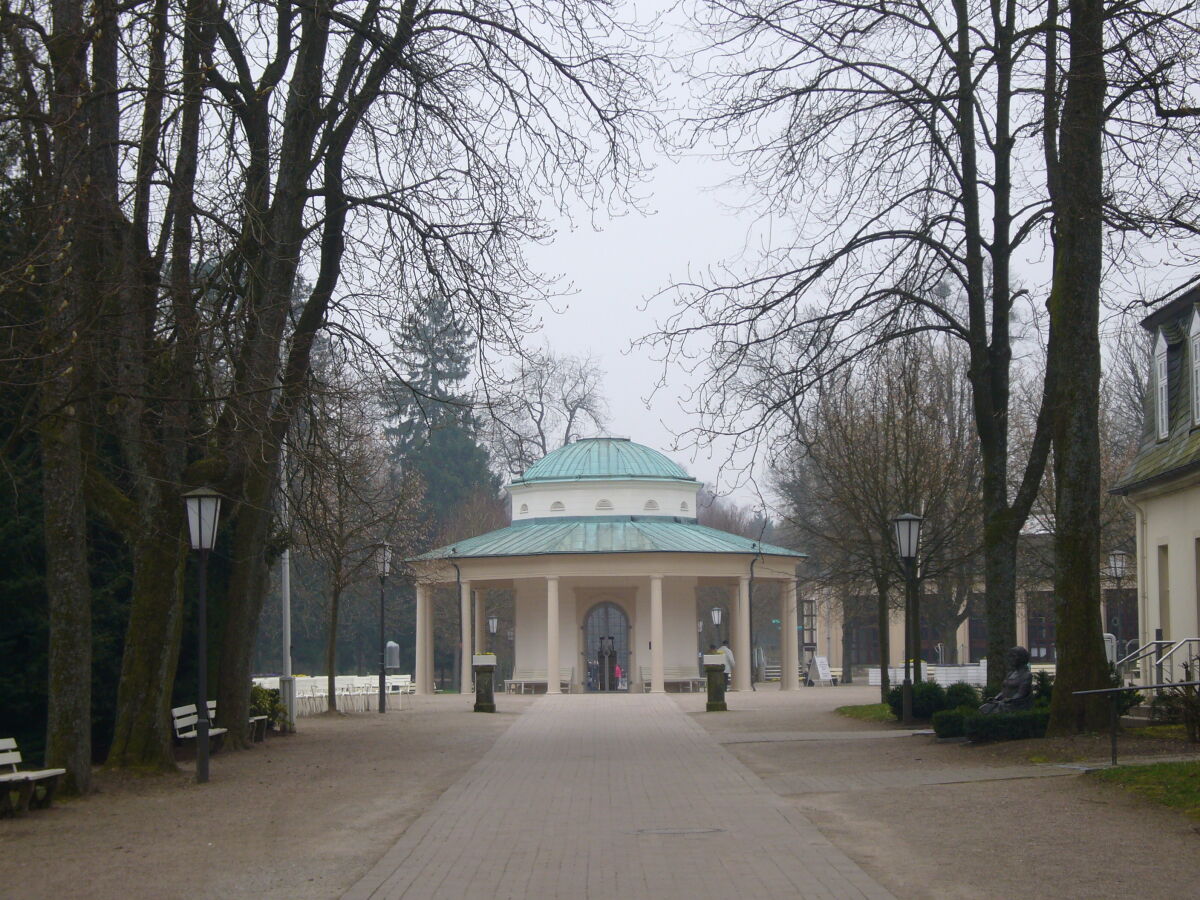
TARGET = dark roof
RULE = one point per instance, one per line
(604, 534)
(603, 459)
(1159, 461)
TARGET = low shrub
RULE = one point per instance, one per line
(267, 702)
(1043, 688)
(962, 694)
(1014, 726)
(895, 701)
(928, 697)
(951, 723)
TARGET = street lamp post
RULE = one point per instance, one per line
(716, 612)
(203, 514)
(385, 561)
(493, 622)
(908, 538)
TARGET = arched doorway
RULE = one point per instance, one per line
(606, 648)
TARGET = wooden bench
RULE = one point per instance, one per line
(24, 784)
(256, 725)
(536, 678)
(685, 677)
(185, 719)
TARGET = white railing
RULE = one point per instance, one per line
(944, 675)
(355, 693)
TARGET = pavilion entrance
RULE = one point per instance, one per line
(606, 648)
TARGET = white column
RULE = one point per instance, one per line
(424, 655)
(790, 679)
(741, 649)
(656, 635)
(552, 635)
(480, 631)
(464, 603)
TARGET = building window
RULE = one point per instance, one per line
(1161, 407)
(683, 507)
(1195, 348)
(604, 504)
(557, 506)
(524, 509)
(651, 505)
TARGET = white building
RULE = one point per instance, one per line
(604, 556)
(1163, 483)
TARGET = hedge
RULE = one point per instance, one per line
(1012, 726)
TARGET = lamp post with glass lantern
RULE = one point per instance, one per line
(493, 622)
(716, 612)
(385, 561)
(203, 514)
(908, 537)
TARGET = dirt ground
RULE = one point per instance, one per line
(1063, 837)
(305, 816)
(301, 816)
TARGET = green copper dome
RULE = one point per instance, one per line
(604, 458)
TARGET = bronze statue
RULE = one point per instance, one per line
(1016, 691)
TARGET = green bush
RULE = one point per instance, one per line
(950, 723)
(928, 697)
(266, 702)
(1014, 726)
(962, 694)
(1043, 687)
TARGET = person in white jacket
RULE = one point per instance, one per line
(729, 663)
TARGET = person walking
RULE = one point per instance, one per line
(727, 652)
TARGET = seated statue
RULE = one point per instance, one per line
(1016, 691)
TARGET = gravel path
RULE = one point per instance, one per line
(308, 816)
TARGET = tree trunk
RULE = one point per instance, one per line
(1073, 356)
(885, 640)
(68, 591)
(243, 606)
(847, 650)
(1000, 592)
(331, 648)
(69, 700)
(142, 733)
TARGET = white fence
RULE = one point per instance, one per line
(943, 675)
(355, 693)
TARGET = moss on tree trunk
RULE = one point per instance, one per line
(142, 734)
(1073, 369)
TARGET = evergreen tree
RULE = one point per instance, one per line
(433, 430)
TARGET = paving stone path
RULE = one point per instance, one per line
(612, 797)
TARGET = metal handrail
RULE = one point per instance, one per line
(1179, 643)
(1144, 650)
(1114, 715)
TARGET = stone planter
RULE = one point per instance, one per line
(715, 673)
(484, 665)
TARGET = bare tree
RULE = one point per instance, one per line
(908, 144)
(547, 401)
(895, 436)
(346, 501)
(227, 147)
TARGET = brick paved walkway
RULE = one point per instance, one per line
(621, 798)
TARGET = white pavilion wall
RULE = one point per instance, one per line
(1168, 544)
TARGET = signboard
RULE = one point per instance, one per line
(824, 673)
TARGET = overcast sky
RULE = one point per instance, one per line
(614, 267)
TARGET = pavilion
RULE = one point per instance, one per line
(604, 556)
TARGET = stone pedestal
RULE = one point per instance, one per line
(485, 698)
(714, 671)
